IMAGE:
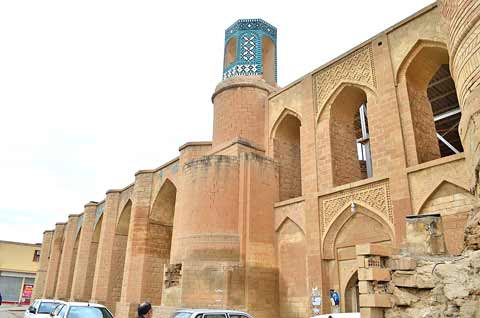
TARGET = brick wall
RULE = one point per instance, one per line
(240, 111)
(91, 268)
(423, 124)
(116, 271)
(67, 261)
(157, 255)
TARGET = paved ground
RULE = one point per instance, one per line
(11, 311)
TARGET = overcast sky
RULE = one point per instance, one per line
(93, 91)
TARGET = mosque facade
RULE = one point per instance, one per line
(266, 217)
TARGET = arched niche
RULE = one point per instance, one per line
(158, 244)
(268, 60)
(287, 153)
(350, 229)
(291, 251)
(453, 203)
(119, 253)
(230, 51)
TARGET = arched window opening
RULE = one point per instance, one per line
(286, 148)
(350, 142)
(433, 105)
(446, 111)
(268, 60)
(363, 141)
(231, 51)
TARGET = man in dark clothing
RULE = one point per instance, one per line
(0, 299)
(145, 310)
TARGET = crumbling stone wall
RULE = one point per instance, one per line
(439, 286)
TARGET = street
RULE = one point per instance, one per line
(11, 311)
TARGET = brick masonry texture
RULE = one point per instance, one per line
(270, 211)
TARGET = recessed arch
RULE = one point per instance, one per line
(230, 52)
(97, 230)
(158, 244)
(123, 222)
(289, 219)
(414, 51)
(287, 154)
(369, 90)
(164, 204)
(439, 185)
(453, 202)
(351, 292)
(285, 112)
(292, 268)
(268, 59)
(119, 253)
(334, 229)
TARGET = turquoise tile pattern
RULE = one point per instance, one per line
(249, 34)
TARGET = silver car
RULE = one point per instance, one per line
(80, 310)
(210, 313)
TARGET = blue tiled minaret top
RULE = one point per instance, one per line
(249, 35)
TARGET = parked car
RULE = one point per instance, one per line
(340, 315)
(210, 313)
(41, 308)
(81, 310)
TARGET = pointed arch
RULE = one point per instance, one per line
(439, 185)
(268, 59)
(292, 267)
(287, 153)
(230, 51)
(123, 222)
(163, 207)
(159, 239)
(97, 230)
(289, 219)
(431, 106)
(369, 91)
(414, 51)
(285, 112)
(349, 134)
(334, 229)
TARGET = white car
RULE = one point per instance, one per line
(210, 313)
(81, 310)
(41, 308)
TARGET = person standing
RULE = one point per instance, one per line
(0, 298)
(145, 310)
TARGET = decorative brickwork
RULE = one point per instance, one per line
(357, 68)
(375, 195)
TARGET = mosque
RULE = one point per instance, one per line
(266, 217)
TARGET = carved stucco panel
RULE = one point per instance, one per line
(356, 68)
(376, 195)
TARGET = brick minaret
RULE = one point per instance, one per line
(249, 75)
(222, 253)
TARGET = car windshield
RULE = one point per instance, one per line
(88, 312)
(182, 314)
(46, 308)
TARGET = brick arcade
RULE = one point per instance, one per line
(270, 211)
